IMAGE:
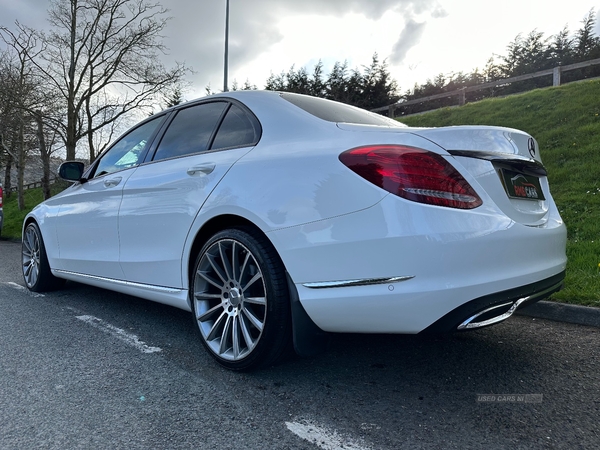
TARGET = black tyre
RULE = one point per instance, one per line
(240, 300)
(36, 270)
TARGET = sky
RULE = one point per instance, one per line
(419, 39)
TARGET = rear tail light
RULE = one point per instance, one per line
(413, 174)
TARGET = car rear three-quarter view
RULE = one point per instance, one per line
(286, 217)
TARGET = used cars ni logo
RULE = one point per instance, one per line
(523, 188)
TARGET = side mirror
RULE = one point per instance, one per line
(71, 171)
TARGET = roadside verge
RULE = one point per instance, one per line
(563, 312)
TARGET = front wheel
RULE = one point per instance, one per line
(240, 299)
(36, 270)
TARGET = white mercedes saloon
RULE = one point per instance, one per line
(277, 218)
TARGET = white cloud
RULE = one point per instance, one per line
(439, 13)
(420, 38)
(270, 35)
(410, 36)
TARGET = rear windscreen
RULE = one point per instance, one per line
(338, 112)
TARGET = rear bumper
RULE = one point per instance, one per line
(495, 308)
(392, 269)
(407, 307)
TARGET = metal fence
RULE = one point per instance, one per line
(36, 184)
(461, 93)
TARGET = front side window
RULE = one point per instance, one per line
(129, 150)
(190, 131)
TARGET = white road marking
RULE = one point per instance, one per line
(128, 338)
(322, 437)
(18, 287)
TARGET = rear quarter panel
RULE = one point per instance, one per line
(293, 176)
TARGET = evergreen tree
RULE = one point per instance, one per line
(174, 97)
(370, 89)
(585, 41)
(561, 50)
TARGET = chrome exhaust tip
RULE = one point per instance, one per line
(472, 321)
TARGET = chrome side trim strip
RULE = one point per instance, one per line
(360, 282)
(148, 287)
(470, 324)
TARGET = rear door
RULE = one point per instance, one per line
(162, 198)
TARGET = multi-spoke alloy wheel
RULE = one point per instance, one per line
(36, 270)
(238, 285)
(31, 256)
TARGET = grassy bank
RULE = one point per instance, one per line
(13, 218)
(566, 122)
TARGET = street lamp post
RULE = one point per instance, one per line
(225, 69)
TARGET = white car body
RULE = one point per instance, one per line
(361, 259)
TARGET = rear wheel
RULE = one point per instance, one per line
(36, 270)
(240, 300)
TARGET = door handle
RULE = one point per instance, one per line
(111, 182)
(200, 169)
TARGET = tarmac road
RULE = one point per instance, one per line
(88, 368)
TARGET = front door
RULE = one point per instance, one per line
(87, 220)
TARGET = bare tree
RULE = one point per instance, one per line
(46, 141)
(5, 154)
(30, 111)
(17, 95)
(103, 58)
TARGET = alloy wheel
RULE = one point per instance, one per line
(31, 253)
(230, 299)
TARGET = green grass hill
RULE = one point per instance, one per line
(565, 121)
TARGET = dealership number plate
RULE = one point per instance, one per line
(522, 186)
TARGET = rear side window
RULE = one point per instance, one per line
(239, 129)
(191, 130)
(338, 112)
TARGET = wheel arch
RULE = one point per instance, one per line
(214, 225)
(37, 273)
(33, 219)
(28, 220)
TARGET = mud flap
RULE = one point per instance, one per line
(309, 339)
